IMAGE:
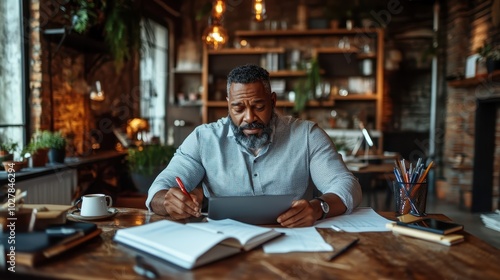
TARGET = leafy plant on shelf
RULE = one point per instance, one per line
(7, 147)
(306, 87)
(149, 160)
(489, 51)
(50, 140)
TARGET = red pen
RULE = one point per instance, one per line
(181, 186)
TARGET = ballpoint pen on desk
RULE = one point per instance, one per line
(343, 249)
(181, 186)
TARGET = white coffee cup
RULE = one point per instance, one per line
(95, 205)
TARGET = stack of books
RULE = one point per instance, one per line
(433, 230)
(492, 220)
(36, 247)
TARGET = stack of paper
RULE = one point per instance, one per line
(492, 220)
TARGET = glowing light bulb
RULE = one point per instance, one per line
(219, 9)
(259, 10)
(215, 36)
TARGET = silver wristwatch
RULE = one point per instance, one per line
(324, 207)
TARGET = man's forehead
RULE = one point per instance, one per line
(244, 91)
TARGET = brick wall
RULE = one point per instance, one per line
(60, 95)
(467, 28)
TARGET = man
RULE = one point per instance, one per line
(255, 151)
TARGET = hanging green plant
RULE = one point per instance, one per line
(119, 21)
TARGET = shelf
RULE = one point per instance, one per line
(195, 103)
(216, 104)
(354, 96)
(287, 73)
(69, 38)
(476, 81)
(366, 55)
(310, 103)
(188, 71)
(247, 51)
(336, 66)
(308, 32)
(327, 50)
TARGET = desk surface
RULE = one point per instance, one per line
(378, 255)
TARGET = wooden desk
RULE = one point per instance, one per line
(378, 255)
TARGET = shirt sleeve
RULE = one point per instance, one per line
(185, 164)
(329, 172)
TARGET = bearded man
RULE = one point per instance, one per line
(256, 151)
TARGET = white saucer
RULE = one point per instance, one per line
(76, 214)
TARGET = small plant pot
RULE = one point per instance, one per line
(5, 156)
(143, 182)
(492, 65)
(56, 155)
(40, 158)
(13, 166)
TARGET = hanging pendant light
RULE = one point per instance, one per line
(215, 36)
(218, 9)
(259, 10)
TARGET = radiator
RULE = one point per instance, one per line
(56, 188)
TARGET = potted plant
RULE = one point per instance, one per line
(7, 149)
(490, 53)
(37, 149)
(55, 142)
(146, 162)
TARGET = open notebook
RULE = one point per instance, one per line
(194, 244)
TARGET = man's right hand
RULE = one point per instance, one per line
(176, 204)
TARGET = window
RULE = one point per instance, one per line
(154, 79)
(12, 73)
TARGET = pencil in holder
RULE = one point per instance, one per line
(410, 198)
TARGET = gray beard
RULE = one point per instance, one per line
(252, 141)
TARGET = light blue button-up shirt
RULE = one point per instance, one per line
(299, 158)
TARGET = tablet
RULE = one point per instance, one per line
(257, 210)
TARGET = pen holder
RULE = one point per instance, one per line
(410, 198)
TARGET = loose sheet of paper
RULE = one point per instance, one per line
(362, 219)
(297, 240)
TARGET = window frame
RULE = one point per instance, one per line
(25, 33)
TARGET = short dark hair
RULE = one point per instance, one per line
(249, 73)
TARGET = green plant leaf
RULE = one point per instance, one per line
(148, 160)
